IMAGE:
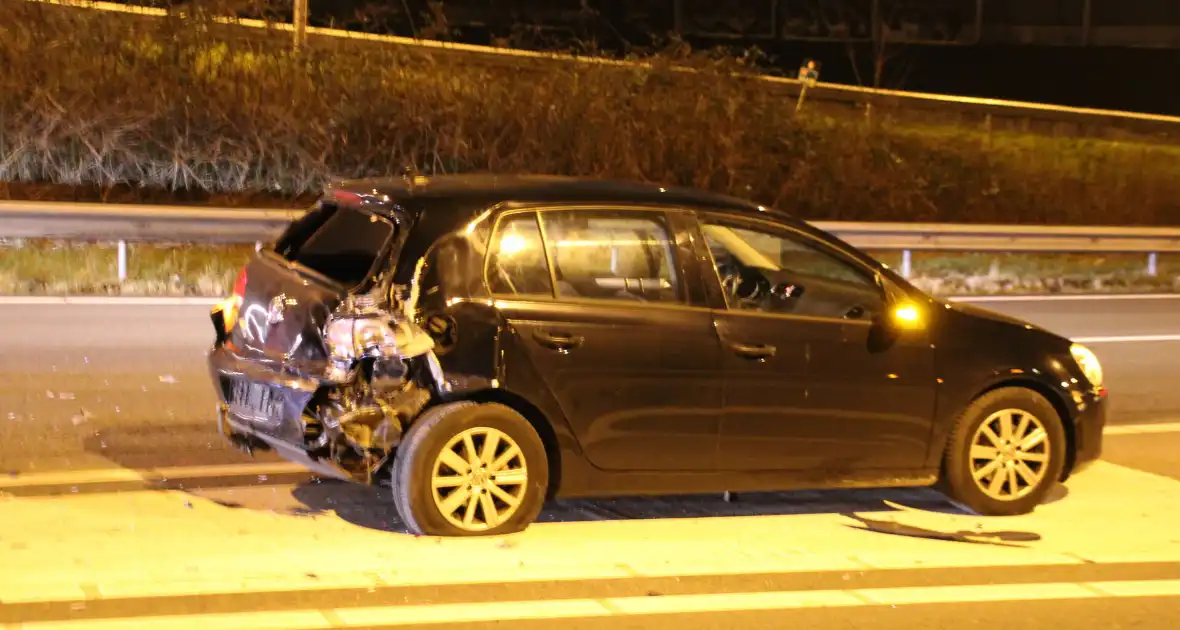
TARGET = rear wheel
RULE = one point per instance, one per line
(467, 469)
(1006, 452)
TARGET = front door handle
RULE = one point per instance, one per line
(558, 341)
(757, 351)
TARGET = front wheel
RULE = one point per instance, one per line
(467, 469)
(1006, 452)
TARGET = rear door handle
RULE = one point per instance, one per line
(758, 351)
(558, 341)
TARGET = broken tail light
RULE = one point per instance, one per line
(229, 308)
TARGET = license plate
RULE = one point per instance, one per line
(255, 402)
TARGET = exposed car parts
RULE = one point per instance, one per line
(382, 372)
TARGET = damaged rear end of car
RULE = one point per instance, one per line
(317, 355)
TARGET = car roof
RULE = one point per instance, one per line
(487, 189)
(475, 193)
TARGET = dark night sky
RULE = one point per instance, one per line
(1135, 79)
(1143, 80)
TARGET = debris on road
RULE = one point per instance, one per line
(81, 417)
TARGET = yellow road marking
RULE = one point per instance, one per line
(431, 614)
(260, 468)
(1141, 429)
(71, 477)
(116, 475)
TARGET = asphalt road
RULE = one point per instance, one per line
(93, 396)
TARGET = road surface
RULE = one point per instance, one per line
(119, 508)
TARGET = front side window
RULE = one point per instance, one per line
(516, 263)
(778, 271)
(612, 255)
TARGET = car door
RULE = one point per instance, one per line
(808, 383)
(616, 330)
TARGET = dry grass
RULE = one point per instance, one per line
(39, 267)
(42, 267)
(130, 107)
(944, 273)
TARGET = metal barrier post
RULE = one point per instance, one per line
(122, 261)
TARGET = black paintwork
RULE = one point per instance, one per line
(640, 398)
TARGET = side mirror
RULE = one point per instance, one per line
(901, 312)
(906, 315)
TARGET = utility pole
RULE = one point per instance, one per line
(300, 23)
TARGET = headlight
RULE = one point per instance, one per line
(1089, 364)
(352, 338)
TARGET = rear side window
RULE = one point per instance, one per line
(612, 255)
(516, 258)
(340, 243)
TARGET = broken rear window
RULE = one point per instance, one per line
(338, 242)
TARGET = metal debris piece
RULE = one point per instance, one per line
(1005, 538)
(81, 417)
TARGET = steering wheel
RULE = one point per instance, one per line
(744, 290)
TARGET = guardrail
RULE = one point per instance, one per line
(826, 92)
(125, 223)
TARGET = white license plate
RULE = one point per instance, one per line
(255, 402)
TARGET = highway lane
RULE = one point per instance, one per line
(1093, 316)
(82, 386)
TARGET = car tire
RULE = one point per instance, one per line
(1005, 487)
(419, 459)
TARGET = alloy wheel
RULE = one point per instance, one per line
(479, 479)
(1009, 454)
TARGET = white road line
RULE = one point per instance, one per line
(103, 300)
(1065, 298)
(1126, 338)
(116, 475)
(436, 614)
(1142, 429)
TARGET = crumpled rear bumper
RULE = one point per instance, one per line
(282, 431)
(260, 398)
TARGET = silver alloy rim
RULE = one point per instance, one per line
(1009, 454)
(479, 479)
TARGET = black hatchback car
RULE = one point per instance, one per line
(480, 344)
